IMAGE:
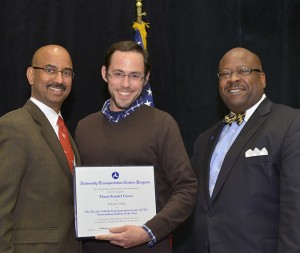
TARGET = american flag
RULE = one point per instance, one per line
(140, 38)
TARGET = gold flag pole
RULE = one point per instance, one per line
(140, 37)
(139, 12)
(140, 25)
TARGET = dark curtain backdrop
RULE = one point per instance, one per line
(186, 40)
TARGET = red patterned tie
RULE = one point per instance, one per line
(65, 141)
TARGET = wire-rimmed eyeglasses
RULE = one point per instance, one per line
(51, 70)
(241, 72)
(132, 77)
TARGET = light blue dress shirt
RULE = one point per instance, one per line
(227, 137)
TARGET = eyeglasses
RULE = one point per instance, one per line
(132, 77)
(52, 71)
(239, 73)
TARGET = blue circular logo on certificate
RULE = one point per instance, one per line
(115, 175)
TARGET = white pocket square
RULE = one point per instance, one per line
(256, 152)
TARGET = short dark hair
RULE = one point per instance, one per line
(127, 46)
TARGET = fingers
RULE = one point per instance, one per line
(103, 237)
(126, 236)
(119, 229)
(113, 239)
(113, 236)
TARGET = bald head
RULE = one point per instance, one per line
(242, 55)
(49, 50)
(47, 75)
(244, 86)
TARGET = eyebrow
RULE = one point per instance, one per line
(238, 68)
(50, 65)
(132, 72)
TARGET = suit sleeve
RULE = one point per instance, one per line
(289, 225)
(13, 162)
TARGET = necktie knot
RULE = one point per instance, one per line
(60, 121)
(232, 117)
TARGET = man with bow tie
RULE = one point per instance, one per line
(248, 168)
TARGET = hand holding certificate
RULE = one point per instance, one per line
(127, 236)
(108, 197)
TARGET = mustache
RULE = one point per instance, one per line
(57, 86)
(235, 84)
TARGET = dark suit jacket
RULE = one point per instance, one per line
(255, 206)
(36, 187)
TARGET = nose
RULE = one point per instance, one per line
(234, 76)
(59, 77)
(125, 81)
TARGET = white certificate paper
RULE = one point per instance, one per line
(112, 196)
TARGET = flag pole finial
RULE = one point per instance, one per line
(139, 11)
(140, 37)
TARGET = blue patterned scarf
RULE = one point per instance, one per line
(115, 117)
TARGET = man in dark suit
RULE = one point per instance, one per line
(36, 203)
(248, 170)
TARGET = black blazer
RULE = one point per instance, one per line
(255, 206)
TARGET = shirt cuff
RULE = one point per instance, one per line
(151, 235)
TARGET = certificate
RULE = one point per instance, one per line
(108, 197)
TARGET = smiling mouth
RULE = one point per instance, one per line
(124, 93)
(234, 91)
(56, 89)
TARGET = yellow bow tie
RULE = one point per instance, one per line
(231, 117)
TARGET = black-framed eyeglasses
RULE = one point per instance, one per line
(241, 72)
(53, 71)
(119, 76)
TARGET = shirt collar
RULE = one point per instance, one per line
(51, 115)
(250, 111)
(116, 117)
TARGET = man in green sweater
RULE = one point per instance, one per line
(128, 132)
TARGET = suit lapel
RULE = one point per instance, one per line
(51, 137)
(254, 123)
(213, 140)
(75, 150)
